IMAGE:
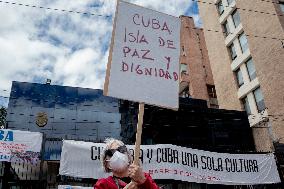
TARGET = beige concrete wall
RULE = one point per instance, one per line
(279, 11)
(220, 62)
(263, 139)
(268, 56)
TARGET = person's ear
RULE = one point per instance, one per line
(107, 165)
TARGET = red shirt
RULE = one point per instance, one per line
(109, 183)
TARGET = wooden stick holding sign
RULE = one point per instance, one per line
(138, 134)
(138, 137)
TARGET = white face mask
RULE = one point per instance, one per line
(118, 162)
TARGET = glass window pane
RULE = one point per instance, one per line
(230, 2)
(246, 105)
(233, 52)
(220, 8)
(243, 42)
(282, 6)
(236, 18)
(240, 77)
(226, 28)
(183, 68)
(211, 91)
(259, 99)
(251, 69)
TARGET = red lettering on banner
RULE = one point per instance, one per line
(150, 22)
(183, 173)
(145, 55)
(134, 53)
(166, 43)
(134, 37)
(168, 61)
(143, 70)
(170, 44)
(124, 67)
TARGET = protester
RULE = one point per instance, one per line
(116, 160)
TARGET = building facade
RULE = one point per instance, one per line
(59, 112)
(194, 125)
(196, 75)
(245, 47)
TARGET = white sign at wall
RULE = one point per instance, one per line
(20, 146)
(143, 62)
(82, 159)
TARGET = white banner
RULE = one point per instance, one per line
(144, 56)
(73, 187)
(82, 159)
(20, 146)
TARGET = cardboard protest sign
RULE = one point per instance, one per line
(20, 146)
(143, 63)
(82, 159)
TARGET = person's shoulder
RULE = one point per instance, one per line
(103, 181)
(147, 175)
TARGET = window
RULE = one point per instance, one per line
(246, 105)
(211, 91)
(239, 77)
(243, 42)
(281, 6)
(236, 18)
(251, 69)
(233, 51)
(220, 8)
(183, 68)
(226, 28)
(185, 93)
(259, 99)
(183, 51)
(230, 2)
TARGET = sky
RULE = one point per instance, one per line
(69, 48)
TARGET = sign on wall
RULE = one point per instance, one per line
(82, 159)
(143, 63)
(20, 146)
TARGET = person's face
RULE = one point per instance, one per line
(113, 148)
